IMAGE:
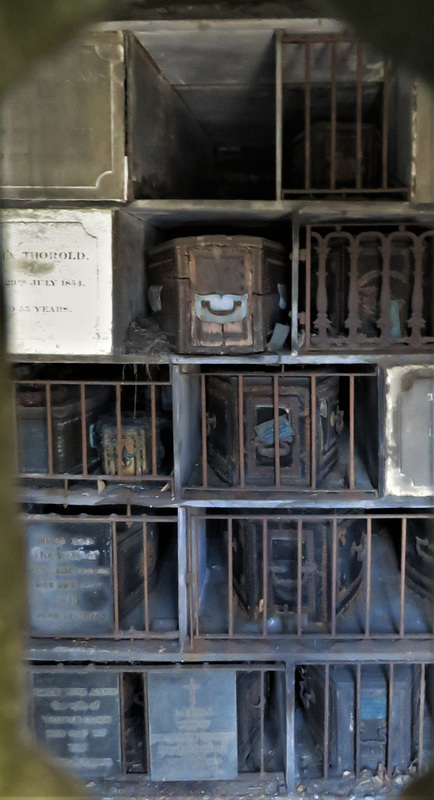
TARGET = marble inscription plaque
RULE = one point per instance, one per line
(59, 280)
(193, 725)
(77, 716)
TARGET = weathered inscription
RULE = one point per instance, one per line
(192, 724)
(70, 578)
(59, 294)
(77, 716)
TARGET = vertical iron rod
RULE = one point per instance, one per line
(295, 279)
(115, 577)
(83, 427)
(264, 575)
(307, 116)
(334, 574)
(385, 125)
(389, 720)
(359, 79)
(326, 720)
(230, 579)
(49, 428)
(121, 680)
(262, 708)
(308, 284)
(402, 577)
(118, 430)
(276, 430)
(358, 718)
(145, 575)
(290, 744)
(191, 534)
(196, 580)
(351, 470)
(146, 715)
(313, 431)
(299, 573)
(279, 114)
(241, 429)
(153, 430)
(204, 439)
(421, 717)
(333, 117)
(368, 575)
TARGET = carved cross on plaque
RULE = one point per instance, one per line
(192, 688)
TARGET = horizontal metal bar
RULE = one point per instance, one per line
(50, 382)
(390, 190)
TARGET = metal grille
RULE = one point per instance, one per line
(100, 576)
(95, 431)
(356, 576)
(368, 288)
(260, 713)
(333, 118)
(354, 718)
(319, 418)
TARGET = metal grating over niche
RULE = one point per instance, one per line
(345, 719)
(353, 577)
(102, 576)
(318, 418)
(334, 110)
(367, 288)
(82, 428)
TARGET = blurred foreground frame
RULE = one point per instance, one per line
(29, 31)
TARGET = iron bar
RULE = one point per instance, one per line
(230, 579)
(313, 427)
(299, 573)
(334, 577)
(279, 114)
(121, 682)
(241, 429)
(326, 719)
(265, 576)
(83, 428)
(358, 718)
(359, 79)
(118, 431)
(333, 116)
(204, 432)
(262, 711)
(351, 470)
(276, 429)
(308, 284)
(306, 117)
(49, 428)
(154, 430)
(420, 757)
(368, 575)
(390, 710)
(115, 578)
(402, 577)
(385, 126)
(145, 576)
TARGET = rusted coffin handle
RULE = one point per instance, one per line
(221, 308)
(267, 450)
(220, 313)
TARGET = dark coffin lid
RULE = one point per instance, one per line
(183, 245)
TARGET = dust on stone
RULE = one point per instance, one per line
(145, 337)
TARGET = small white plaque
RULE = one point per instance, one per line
(59, 281)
